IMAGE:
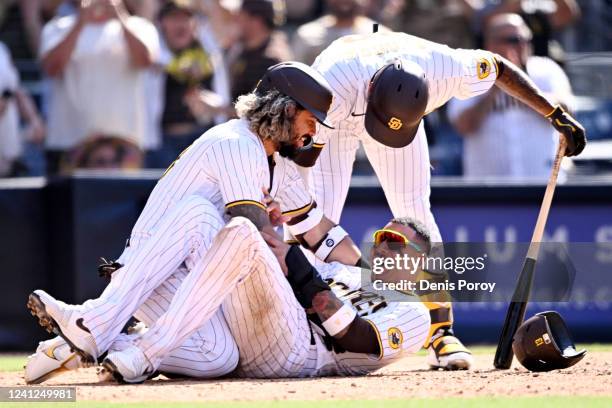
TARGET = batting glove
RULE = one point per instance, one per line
(572, 130)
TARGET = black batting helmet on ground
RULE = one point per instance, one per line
(543, 343)
(397, 100)
(302, 83)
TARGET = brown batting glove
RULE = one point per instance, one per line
(572, 130)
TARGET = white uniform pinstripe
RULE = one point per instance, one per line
(349, 64)
(401, 327)
(225, 167)
(265, 319)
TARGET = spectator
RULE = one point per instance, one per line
(502, 137)
(21, 23)
(96, 60)
(260, 45)
(344, 17)
(545, 18)
(196, 88)
(443, 21)
(103, 152)
(14, 102)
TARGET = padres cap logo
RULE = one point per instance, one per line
(394, 123)
(395, 337)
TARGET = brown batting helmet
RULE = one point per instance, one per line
(397, 100)
(543, 343)
(302, 83)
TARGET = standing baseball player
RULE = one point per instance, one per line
(383, 84)
(221, 176)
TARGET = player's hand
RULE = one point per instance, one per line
(273, 208)
(572, 130)
(279, 249)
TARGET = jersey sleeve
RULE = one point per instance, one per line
(239, 166)
(292, 193)
(479, 72)
(342, 81)
(400, 330)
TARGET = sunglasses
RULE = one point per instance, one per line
(391, 236)
(512, 40)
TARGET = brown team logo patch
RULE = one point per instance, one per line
(484, 68)
(394, 123)
(395, 337)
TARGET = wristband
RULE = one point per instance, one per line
(339, 320)
(331, 240)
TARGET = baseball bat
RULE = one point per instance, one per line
(518, 304)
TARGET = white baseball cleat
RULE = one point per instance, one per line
(65, 321)
(129, 365)
(52, 358)
(446, 352)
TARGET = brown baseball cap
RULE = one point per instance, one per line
(397, 100)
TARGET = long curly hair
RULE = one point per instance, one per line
(269, 115)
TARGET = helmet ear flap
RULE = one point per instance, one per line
(543, 343)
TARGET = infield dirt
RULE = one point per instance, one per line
(408, 378)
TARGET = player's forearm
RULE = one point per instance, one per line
(344, 251)
(516, 83)
(358, 336)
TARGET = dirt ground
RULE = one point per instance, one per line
(408, 378)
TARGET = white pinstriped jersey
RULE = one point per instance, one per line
(400, 326)
(228, 166)
(349, 63)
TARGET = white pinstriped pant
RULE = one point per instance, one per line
(226, 269)
(154, 267)
(403, 173)
(241, 275)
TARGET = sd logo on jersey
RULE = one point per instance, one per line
(395, 337)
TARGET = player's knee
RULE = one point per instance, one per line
(222, 365)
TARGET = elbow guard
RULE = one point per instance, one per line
(303, 277)
(307, 157)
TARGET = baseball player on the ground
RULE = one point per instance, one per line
(384, 83)
(360, 331)
(168, 251)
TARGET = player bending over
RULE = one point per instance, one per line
(384, 84)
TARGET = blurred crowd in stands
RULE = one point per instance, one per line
(131, 83)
